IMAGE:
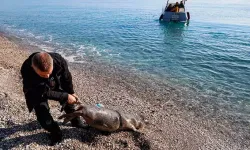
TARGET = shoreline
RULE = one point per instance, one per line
(176, 120)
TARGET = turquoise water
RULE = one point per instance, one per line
(210, 54)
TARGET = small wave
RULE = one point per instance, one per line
(72, 57)
(8, 26)
(39, 37)
(48, 39)
(22, 30)
(89, 50)
(82, 47)
(69, 58)
(42, 46)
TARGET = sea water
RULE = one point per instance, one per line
(210, 54)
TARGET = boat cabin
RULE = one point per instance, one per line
(175, 11)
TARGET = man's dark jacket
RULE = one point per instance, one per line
(37, 89)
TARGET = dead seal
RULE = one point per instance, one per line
(105, 119)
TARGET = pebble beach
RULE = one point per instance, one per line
(175, 120)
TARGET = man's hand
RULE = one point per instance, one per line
(72, 99)
(75, 96)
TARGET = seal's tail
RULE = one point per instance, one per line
(144, 122)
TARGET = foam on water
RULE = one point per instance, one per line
(209, 55)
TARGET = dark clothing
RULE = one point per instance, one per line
(47, 122)
(38, 90)
(56, 87)
(45, 119)
(181, 5)
(176, 6)
(169, 8)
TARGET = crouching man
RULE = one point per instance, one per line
(46, 76)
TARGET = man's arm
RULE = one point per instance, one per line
(66, 79)
(36, 92)
(32, 93)
(62, 97)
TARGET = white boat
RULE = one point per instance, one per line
(175, 11)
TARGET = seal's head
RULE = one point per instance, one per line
(86, 113)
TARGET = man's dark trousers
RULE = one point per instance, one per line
(47, 122)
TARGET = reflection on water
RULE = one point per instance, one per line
(173, 30)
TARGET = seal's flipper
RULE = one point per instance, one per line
(62, 116)
(80, 108)
(68, 117)
(99, 124)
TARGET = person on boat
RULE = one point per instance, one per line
(169, 8)
(175, 8)
(181, 5)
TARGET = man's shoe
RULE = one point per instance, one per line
(55, 138)
(78, 123)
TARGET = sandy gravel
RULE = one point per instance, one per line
(176, 119)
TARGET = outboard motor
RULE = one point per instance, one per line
(188, 15)
(161, 17)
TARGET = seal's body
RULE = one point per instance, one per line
(105, 119)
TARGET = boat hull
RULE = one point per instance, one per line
(174, 16)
